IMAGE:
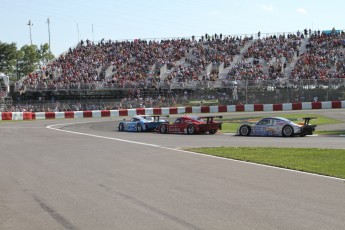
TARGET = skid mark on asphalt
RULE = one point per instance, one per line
(55, 215)
(152, 209)
(53, 127)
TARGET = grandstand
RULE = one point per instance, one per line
(273, 68)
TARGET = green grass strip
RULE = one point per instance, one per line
(329, 162)
(335, 132)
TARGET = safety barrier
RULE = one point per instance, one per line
(172, 110)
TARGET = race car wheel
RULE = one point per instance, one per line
(212, 131)
(287, 131)
(139, 127)
(121, 127)
(163, 129)
(190, 129)
(244, 130)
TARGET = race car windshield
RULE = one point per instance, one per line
(149, 118)
(285, 119)
(198, 119)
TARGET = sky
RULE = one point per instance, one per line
(75, 20)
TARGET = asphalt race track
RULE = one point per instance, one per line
(83, 174)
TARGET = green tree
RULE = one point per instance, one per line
(45, 54)
(21, 62)
(8, 55)
(28, 59)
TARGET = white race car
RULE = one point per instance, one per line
(277, 126)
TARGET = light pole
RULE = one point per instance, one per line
(30, 24)
(93, 38)
(78, 32)
(48, 22)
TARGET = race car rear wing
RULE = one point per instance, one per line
(209, 119)
(158, 118)
(307, 120)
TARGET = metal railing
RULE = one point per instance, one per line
(181, 93)
(192, 85)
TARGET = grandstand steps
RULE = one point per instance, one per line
(237, 58)
(99, 70)
(181, 62)
(152, 70)
(290, 67)
(264, 66)
(164, 72)
(57, 73)
(109, 72)
(302, 49)
(189, 55)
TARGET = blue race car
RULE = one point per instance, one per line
(141, 123)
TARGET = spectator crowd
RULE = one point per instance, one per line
(209, 58)
(140, 62)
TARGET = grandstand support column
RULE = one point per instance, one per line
(328, 89)
(246, 91)
(300, 90)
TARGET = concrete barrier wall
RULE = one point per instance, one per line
(172, 110)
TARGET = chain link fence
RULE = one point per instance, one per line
(192, 93)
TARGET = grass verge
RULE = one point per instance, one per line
(335, 132)
(328, 162)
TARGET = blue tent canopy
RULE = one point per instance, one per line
(331, 31)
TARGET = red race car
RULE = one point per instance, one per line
(192, 125)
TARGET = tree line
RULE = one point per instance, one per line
(17, 63)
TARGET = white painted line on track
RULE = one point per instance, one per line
(53, 127)
(97, 136)
(18, 127)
